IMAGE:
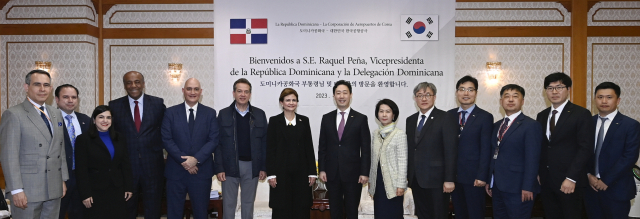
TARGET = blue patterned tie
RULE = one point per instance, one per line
(421, 123)
(463, 120)
(46, 120)
(72, 135)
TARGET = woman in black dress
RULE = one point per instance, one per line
(103, 169)
(290, 161)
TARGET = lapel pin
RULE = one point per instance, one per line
(473, 115)
(432, 117)
(518, 123)
(568, 111)
(300, 120)
(351, 116)
(616, 123)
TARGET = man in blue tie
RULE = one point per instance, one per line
(615, 152)
(190, 135)
(75, 123)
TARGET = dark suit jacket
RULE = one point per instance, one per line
(618, 155)
(145, 147)
(179, 141)
(226, 154)
(432, 157)
(96, 170)
(348, 158)
(277, 157)
(474, 146)
(516, 168)
(569, 149)
(84, 121)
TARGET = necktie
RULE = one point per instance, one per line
(136, 116)
(46, 121)
(421, 124)
(552, 121)
(599, 145)
(463, 120)
(341, 127)
(192, 121)
(503, 128)
(72, 135)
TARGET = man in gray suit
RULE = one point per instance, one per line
(32, 152)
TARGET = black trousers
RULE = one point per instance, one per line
(558, 205)
(344, 198)
(430, 203)
(71, 202)
(151, 190)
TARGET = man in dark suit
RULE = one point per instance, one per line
(138, 117)
(240, 157)
(566, 147)
(344, 153)
(515, 144)
(432, 139)
(474, 149)
(75, 123)
(190, 135)
(615, 152)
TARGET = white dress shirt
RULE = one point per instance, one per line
(425, 114)
(339, 117)
(195, 110)
(559, 109)
(132, 105)
(74, 121)
(607, 123)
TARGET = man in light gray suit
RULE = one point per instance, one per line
(32, 152)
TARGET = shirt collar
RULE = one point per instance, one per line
(139, 99)
(561, 107)
(64, 115)
(37, 105)
(427, 113)
(610, 116)
(468, 110)
(187, 107)
(345, 111)
(513, 117)
(242, 112)
(293, 122)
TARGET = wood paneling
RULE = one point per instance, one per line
(542, 31)
(48, 29)
(3, 3)
(579, 52)
(609, 31)
(146, 33)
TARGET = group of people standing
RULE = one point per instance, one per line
(57, 161)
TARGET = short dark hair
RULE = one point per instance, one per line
(59, 88)
(608, 85)
(557, 76)
(512, 87)
(244, 81)
(286, 92)
(467, 78)
(391, 104)
(133, 72)
(93, 130)
(27, 79)
(342, 82)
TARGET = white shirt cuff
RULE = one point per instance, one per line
(314, 176)
(571, 180)
(271, 177)
(16, 191)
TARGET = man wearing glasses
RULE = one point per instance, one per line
(474, 149)
(566, 147)
(432, 139)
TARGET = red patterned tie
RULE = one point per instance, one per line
(136, 116)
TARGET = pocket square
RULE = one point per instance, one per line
(59, 123)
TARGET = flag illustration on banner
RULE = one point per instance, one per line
(248, 31)
(419, 27)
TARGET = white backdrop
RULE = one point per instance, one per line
(327, 35)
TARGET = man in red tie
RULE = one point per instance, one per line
(138, 117)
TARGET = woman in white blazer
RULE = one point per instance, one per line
(388, 173)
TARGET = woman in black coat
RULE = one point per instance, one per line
(103, 169)
(290, 161)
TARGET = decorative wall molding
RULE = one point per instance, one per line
(159, 16)
(615, 14)
(49, 12)
(74, 61)
(512, 14)
(525, 61)
(151, 57)
(615, 59)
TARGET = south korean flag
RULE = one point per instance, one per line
(419, 27)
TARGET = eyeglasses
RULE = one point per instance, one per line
(559, 88)
(424, 96)
(462, 89)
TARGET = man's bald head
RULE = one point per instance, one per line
(133, 84)
(192, 91)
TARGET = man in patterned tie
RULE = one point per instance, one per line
(31, 152)
(344, 153)
(75, 123)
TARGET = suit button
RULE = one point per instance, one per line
(40, 145)
(58, 156)
(59, 169)
(549, 146)
(47, 157)
(339, 145)
(45, 171)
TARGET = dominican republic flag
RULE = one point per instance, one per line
(419, 27)
(249, 31)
